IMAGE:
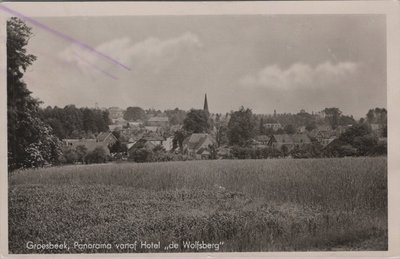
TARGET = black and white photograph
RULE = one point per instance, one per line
(191, 133)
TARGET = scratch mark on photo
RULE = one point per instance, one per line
(94, 66)
(64, 36)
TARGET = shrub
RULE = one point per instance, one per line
(69, 156)
(307, 151)
(339, 148)
(141, 155)
(255, 153)
(98, 155)
(378, 150)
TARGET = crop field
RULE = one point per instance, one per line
(243, 205)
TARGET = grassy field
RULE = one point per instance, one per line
(249, 205)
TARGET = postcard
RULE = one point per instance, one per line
(200, 129)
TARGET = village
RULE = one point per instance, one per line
(134, 140)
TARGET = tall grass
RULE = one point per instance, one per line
(346, 183)
(251, 205)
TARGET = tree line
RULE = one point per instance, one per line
(243, 125)
(34, 133)
(73, 122)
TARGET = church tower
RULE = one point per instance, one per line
(205, 104)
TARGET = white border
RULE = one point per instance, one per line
(390, 8)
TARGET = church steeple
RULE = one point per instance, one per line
(205, 104)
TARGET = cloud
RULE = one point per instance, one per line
(300, 76)
(151, 52)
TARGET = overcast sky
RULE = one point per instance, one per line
(264, 62)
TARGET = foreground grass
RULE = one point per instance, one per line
(250, 205)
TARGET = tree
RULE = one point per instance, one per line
(134, 114)
(345, 120)
(118, 147)
(221, 130)
(72, 119)
(176, 116)
(311, 126)
(73, 122)
(44, 147)
(339, 148)
(261, 128)
(159, 153)
(357, 130)
(179, 137)
(98, 155)
(141, 155)
(241, 127)
(290, 129)
(377, 115)
(196, 121)
(384, 131)
(360, 137)
(81, 152)
(89, 121)
(332, 116)
(31, 141)
(213, 151)
(285, 150)
(307, 151)
(69, 155)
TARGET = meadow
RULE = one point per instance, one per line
(249, 205)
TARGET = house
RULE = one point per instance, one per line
(104, 140)
(129, 145)
(223, 153)
(134, 124)
(279, 141)
(260, 141)
(273, 126)
(301, 129)
(115, 127)
(106, 137)
(117, 124)
(168, 143)
(300, 139)
(153, 139)
(198, 145)
(89, 144)
(324, 132)
(148, 142)
(141, 143)
(203, 153)
(326, 137)
(324, 128)
(115, 112)
(119, 121)
(326, 141)
(155, 129)
(175, 128)
(158, 121)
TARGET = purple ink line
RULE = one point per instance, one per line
(63, 36)
(95, 67)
